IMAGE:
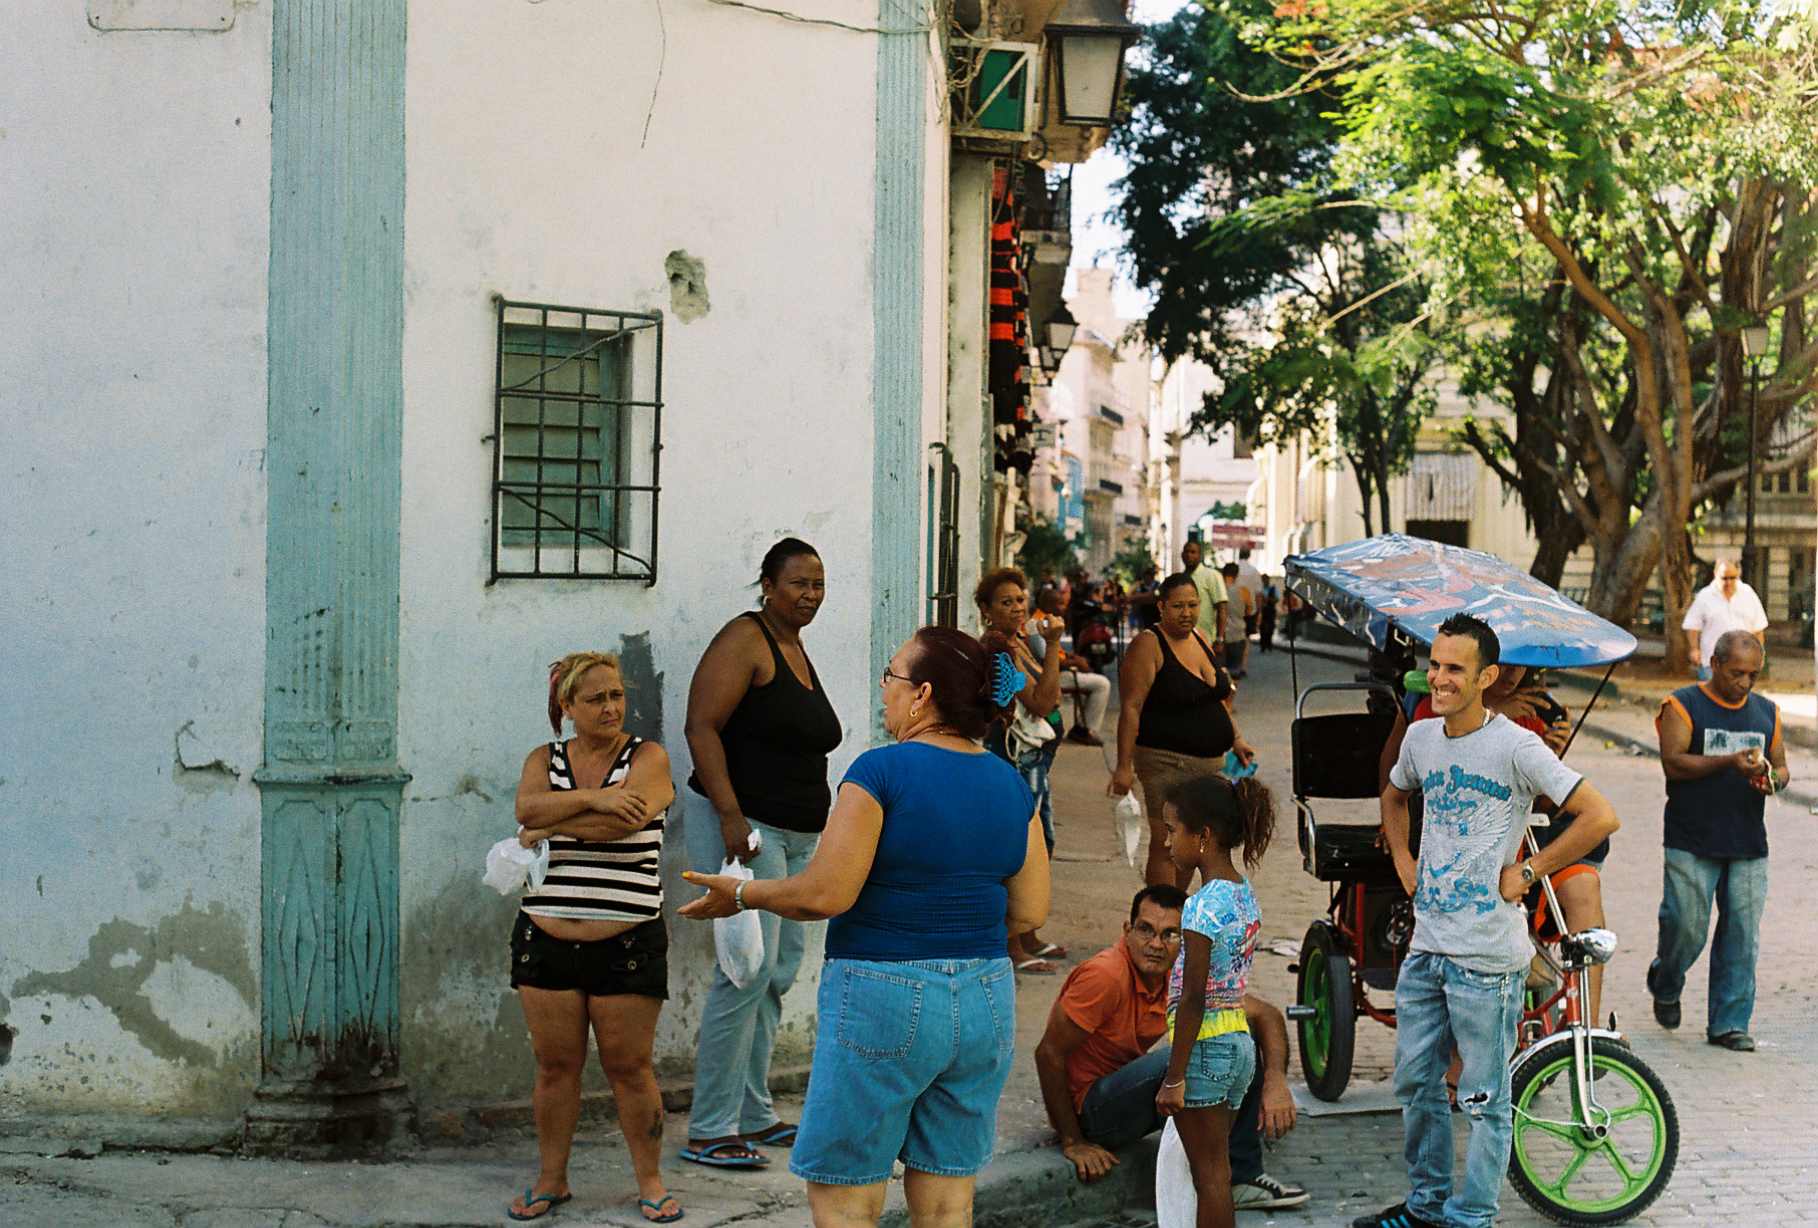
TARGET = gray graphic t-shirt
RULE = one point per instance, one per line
(1479, 790)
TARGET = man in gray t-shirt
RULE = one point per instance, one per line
(1462, 980)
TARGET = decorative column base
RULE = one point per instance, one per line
(322, 1121)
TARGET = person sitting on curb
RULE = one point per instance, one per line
(1099, 1067)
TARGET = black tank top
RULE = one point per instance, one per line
(1183, 712)
(777, 742)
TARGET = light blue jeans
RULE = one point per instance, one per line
(1440, 1004)
(1739, 886)
(738, 1026)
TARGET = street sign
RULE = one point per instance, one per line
(1228, 536)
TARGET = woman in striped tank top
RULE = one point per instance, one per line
(589, 951)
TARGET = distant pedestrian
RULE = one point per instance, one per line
(1143, 599)
(1722, 754)
(589, 954)
(1238, 617)
(1267, 605)
(1212, 595)
(1725, 604)
(760, 728)
(1462, 980)
(933, 852)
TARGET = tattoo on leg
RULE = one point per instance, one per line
(656, 1125)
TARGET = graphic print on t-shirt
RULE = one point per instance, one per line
(1729, 741)
(1467, 857)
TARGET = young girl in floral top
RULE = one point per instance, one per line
(1213, 1057)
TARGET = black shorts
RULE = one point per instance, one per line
(635, 962)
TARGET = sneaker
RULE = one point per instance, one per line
(1739, 1042)
(1666, 1014)
(1266, 1194)
(1397, 1216)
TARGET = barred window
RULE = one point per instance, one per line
(577, 415)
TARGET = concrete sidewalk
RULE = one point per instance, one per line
(1746, 1151)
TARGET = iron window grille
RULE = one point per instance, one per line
(577, 418)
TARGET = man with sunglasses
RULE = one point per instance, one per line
(1100, 1067)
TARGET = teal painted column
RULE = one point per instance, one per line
(897, 329)
(331, 784)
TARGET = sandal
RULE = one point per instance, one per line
(1049, 950)
(780, 1135)
(532, 1198)
(645, 1205)
(1039, 967)
(743, 1156)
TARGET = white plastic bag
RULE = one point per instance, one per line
(1130, 823)
(738, 940)
(1176, 1205)
(509, 865)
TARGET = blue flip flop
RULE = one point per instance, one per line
(530, 1202)
(711, 1158)
(780, 1135)
(657, 1206)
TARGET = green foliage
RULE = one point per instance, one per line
(1131, 562)
(1046, 550)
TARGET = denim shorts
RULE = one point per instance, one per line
(1219, 1070)
(635, 962)
(909, 1063)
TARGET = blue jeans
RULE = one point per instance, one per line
(1439, 1004)
(1033, 767)
(738, 1026)
(910, 1060)
(1739, 886)
(1120, 1108)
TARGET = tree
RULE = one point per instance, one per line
(1046, 551)
(1657, 162)
(1296, 296)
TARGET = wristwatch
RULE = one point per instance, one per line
(738, 894)
(1527, 874)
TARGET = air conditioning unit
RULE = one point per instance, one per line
(994, 86)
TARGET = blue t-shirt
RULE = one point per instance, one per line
(956, 825)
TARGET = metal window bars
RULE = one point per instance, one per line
(577, 437)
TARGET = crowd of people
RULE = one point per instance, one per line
(929, 864)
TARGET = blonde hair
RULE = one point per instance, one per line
(565, 679)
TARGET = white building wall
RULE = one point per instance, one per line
(136, 191)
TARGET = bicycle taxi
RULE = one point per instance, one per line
(1596, 1133)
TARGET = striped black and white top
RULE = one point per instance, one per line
(600, 880)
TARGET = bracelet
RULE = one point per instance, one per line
(738, 894)
(1183, 1080)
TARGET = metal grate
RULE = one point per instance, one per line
(577, 432)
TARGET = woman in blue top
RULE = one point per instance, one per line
(933, 854)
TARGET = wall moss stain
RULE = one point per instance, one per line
(123, 959)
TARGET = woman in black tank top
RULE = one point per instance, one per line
(1174, 716)
(760, 728)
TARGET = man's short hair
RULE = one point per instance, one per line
(1162, 895)
(1730, 641)
(1489, 648)
(1229, 569)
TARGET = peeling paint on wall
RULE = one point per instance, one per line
(687, 286)
(146, 977)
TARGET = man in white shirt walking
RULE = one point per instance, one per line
(1725, 604)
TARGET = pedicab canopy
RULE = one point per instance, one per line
(1379, 585)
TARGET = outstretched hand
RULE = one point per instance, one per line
(717, 903)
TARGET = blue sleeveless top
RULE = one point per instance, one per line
(1720, 815)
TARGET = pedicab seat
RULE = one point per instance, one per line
(1335, 756)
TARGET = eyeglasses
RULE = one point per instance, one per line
(889, 674)
(1148, 933)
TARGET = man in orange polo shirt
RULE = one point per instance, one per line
(1100, 1069)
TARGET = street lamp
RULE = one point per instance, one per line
(1754, 344)
(1061, 327)
(1086, 41)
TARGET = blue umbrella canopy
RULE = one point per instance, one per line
(1392, 582)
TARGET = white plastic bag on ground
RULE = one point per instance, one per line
(1176, 1205)
(1130, 823)
(509, 865)
(738, 940)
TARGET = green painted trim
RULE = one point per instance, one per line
(898, 464)
(331, 788)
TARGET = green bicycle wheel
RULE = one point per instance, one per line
(1560, 1165)
(1328, 1037)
